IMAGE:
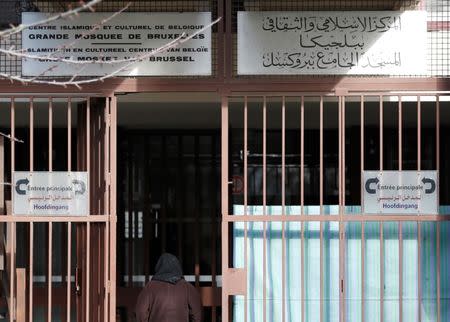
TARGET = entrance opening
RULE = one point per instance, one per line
(169, 193)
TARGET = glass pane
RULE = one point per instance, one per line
(372, 272)
(445, 267)
(428, 280)
(331, 278)
(274, 269)
(255, 253)
(410, 287)
(293, 271)
(237, 308)
(353, 271)
(312, 271)
(391, 272)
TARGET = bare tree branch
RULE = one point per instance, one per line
(123, 64)
(84, 6)
(11, 138)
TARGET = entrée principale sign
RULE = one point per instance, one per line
(332, 43)
(125, 36)
(51, 193)
(400, 192)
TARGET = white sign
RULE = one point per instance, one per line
(51, 193)
(127, 35)
(332, 43)
(400, 192)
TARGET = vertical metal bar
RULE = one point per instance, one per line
(69, 168)
(107, 175)
(419, 272)
(13, 224)
(381, 133)
(180, 201)
(381, 223)
(88, 231)
(283, 206)
(197, 201)
(302, 202)
(245, 197)
(438, 270)
(50, 225)
(49, 272)
(340, 161)
(113, 214)
(438, 224)
(69, 271)
(224, 203)
(30, 274)
(214, 231)
(340, 206)
(419, 134)
(400, 226)
(302, 155)
(264, 207)
(50, 134)
(363, 271)
(438, 133)
(400, 270)
(31, 134)
(302, 269)
(88, 264)
(342, 224)
(400, 134)
(419, 125)
(343, 154)
(321, 269)
(31, 232)
(321, 156)
(131, 151)
(381, 272)
(69, 134)
(362, 139)
(321, 206)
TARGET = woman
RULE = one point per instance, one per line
(168, 297)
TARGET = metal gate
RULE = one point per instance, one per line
(296, 245)
(60, 267)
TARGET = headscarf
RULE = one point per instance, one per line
(168, 269)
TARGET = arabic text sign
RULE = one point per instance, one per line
(129, 35)
(400, 192)
(51, 193)
(354, 43)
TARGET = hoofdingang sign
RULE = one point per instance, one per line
(332, 43)
(128, 35)
(51, 193)
(400, 192)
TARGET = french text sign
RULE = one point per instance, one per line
(127, 36)
(400, 192)
(332, 43)
(51, 193)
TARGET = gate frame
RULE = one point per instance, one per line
(109, 218)
(234, 280)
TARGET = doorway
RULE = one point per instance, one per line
(169, 193)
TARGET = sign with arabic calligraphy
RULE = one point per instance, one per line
(51, 193)
(332, 43)
(400, 192)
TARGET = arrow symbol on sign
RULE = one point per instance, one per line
(19, 183)
(430, 181)
(82, 187)
(369, 182)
